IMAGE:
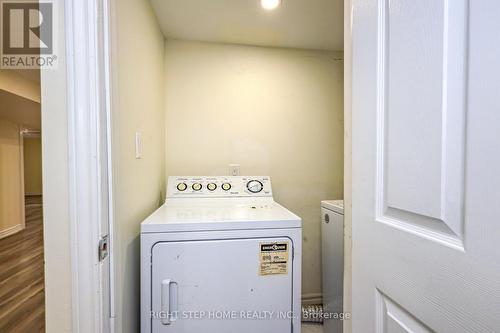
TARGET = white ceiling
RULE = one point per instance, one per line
(310, 24)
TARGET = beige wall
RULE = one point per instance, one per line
(11, 181)
(276, 112)
(32, 150)
(138, 106)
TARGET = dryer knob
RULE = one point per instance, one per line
(255, 186)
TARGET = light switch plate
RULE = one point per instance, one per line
(138, 145)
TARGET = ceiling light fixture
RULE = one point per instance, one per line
(270, 4)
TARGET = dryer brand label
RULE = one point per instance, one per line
(273, 258)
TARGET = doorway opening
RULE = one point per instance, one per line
(22, 296)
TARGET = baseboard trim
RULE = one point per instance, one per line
(312, 298)
(10, 231)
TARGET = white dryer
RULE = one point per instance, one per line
(220, 256)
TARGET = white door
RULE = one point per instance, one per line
(426, 165)
(218, 286)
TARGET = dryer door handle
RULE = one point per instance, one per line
(165, 301)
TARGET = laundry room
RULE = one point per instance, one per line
(226, 88)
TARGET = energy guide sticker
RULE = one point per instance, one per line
(273, 258)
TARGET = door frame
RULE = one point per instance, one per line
(348, 164)
(85, 39)
(27, 133)
(88, 84)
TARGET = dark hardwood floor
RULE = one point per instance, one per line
(22, 304)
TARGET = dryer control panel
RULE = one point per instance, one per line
(218, 186)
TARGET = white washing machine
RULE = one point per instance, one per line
(332, 254)
(221, 256)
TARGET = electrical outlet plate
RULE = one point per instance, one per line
(234, 169)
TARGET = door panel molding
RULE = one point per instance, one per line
(421, 141)
(392, 317)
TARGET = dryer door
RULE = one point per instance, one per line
(238, 285)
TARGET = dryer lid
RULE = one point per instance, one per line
(220, 214)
